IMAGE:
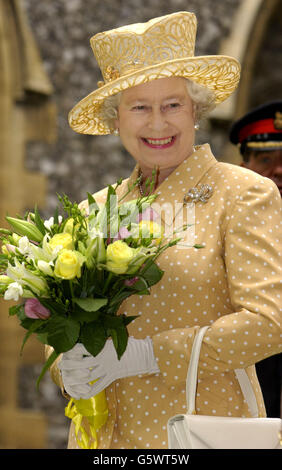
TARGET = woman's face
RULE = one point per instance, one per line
(156, 123)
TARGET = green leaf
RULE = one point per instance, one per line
(39, 222)
(114, 336)
(121, 338)
(46, 366)
(55, 307)
(62, 333)
(91, 305)
(15, 310)
(42, 337)
(33, 328)
(112, 321)
(141, 287)
(127, 320)
(93, 206)
(56, 216)
(93, 337)
(83, 316)
(118, 298)
(152, 274)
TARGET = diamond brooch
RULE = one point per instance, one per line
(200, 194)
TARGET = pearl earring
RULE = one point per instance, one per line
(197, 127)
(116, 132)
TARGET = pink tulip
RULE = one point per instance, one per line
(10, 248)
(34, 309)
(131, 282)
(148, 214)
(122, 233)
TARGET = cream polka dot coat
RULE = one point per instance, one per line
(232, 284)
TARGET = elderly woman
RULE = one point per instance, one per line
(154, 93)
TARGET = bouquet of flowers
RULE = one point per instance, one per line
(73, 271)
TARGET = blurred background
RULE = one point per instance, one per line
(46, 67)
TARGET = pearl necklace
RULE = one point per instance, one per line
(140, 179)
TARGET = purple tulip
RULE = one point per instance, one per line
(10, 248)
(122, 233)
(148, 214)
(131, 282)
(34, 309)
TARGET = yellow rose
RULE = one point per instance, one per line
(148, 228)
(68, 264)
(63, 240)
(119, 255)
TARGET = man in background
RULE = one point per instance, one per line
(258, 135)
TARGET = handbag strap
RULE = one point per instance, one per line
(192, 378)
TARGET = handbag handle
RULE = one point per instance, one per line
(192, 378)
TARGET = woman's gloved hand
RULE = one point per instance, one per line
(79, 368)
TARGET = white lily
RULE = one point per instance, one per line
(25, 278)
(13, 292)
(50, 222)
(45, 267)
(46, 253)
(24, 246)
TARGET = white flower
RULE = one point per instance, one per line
(26, 278)
(45, 267)
(50, 222)
(46, 253)
(13, 292)
(24, 246)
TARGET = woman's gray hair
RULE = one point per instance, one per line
(203, 99)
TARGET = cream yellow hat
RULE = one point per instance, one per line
(135, 54)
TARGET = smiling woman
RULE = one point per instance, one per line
(154, 92)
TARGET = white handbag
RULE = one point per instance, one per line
(191, 431)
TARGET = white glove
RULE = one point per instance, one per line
(79, 367)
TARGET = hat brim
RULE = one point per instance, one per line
(221, 74)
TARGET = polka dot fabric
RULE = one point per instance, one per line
(232, 284)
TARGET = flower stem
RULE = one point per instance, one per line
(72, 293)
(109, 278)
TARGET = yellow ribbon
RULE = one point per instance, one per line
(95, 410)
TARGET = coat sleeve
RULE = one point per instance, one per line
(252, 256)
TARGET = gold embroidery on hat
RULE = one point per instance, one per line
(132, 66)
(111, 73)
(278, 120)
(201, 194)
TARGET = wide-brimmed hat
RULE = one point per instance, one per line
(260, 129)
(139, 53)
